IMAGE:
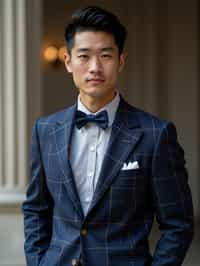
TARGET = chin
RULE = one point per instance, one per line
(99, 93)
(95, 92)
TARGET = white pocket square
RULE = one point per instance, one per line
(130, 166)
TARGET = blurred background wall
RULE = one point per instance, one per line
(161, 76)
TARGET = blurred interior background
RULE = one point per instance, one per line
(161, 76)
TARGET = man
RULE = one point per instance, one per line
(102, 169)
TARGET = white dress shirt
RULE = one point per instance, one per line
(88, 146)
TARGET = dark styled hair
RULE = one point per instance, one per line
(94, 18)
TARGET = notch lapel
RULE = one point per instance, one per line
(125, 134)
(62, 135)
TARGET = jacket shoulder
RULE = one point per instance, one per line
(146, 119)
(57, 117)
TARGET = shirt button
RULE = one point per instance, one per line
(90, 174)
(83, 232)
(87, 199)
(74, 262)
(92, 148)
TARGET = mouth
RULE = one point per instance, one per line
(95, 81)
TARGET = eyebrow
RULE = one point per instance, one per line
(106, 49)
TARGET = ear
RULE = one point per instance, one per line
(122, 60)
(67, 60)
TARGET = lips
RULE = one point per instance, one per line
(95, 80)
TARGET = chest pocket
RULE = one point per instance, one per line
(128, 193)
(134, 178)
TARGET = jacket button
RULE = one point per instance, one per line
(74, 262)
(83, 232)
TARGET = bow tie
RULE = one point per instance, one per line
(101, 119)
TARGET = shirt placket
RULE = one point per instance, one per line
(91, 169)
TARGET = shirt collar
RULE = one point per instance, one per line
(110, 107)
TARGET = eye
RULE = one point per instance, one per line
(83, 56)
(106, 55)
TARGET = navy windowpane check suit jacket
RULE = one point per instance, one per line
(121, 213)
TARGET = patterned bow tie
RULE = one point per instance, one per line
(101, 119)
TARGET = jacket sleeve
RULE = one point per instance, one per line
(172, 200)
(37, 208)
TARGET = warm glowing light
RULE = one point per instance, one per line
(61, 52)
(51, 54)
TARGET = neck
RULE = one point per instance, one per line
(95, 104)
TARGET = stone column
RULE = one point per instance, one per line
(14, 97)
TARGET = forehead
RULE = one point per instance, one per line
(94, 40)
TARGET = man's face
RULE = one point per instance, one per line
(95, 63)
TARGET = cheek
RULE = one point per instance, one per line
(78, 74)
(111, 72)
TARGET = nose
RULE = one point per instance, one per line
(95, 65)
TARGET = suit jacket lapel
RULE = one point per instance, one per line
(63, 134)
(125, 134)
